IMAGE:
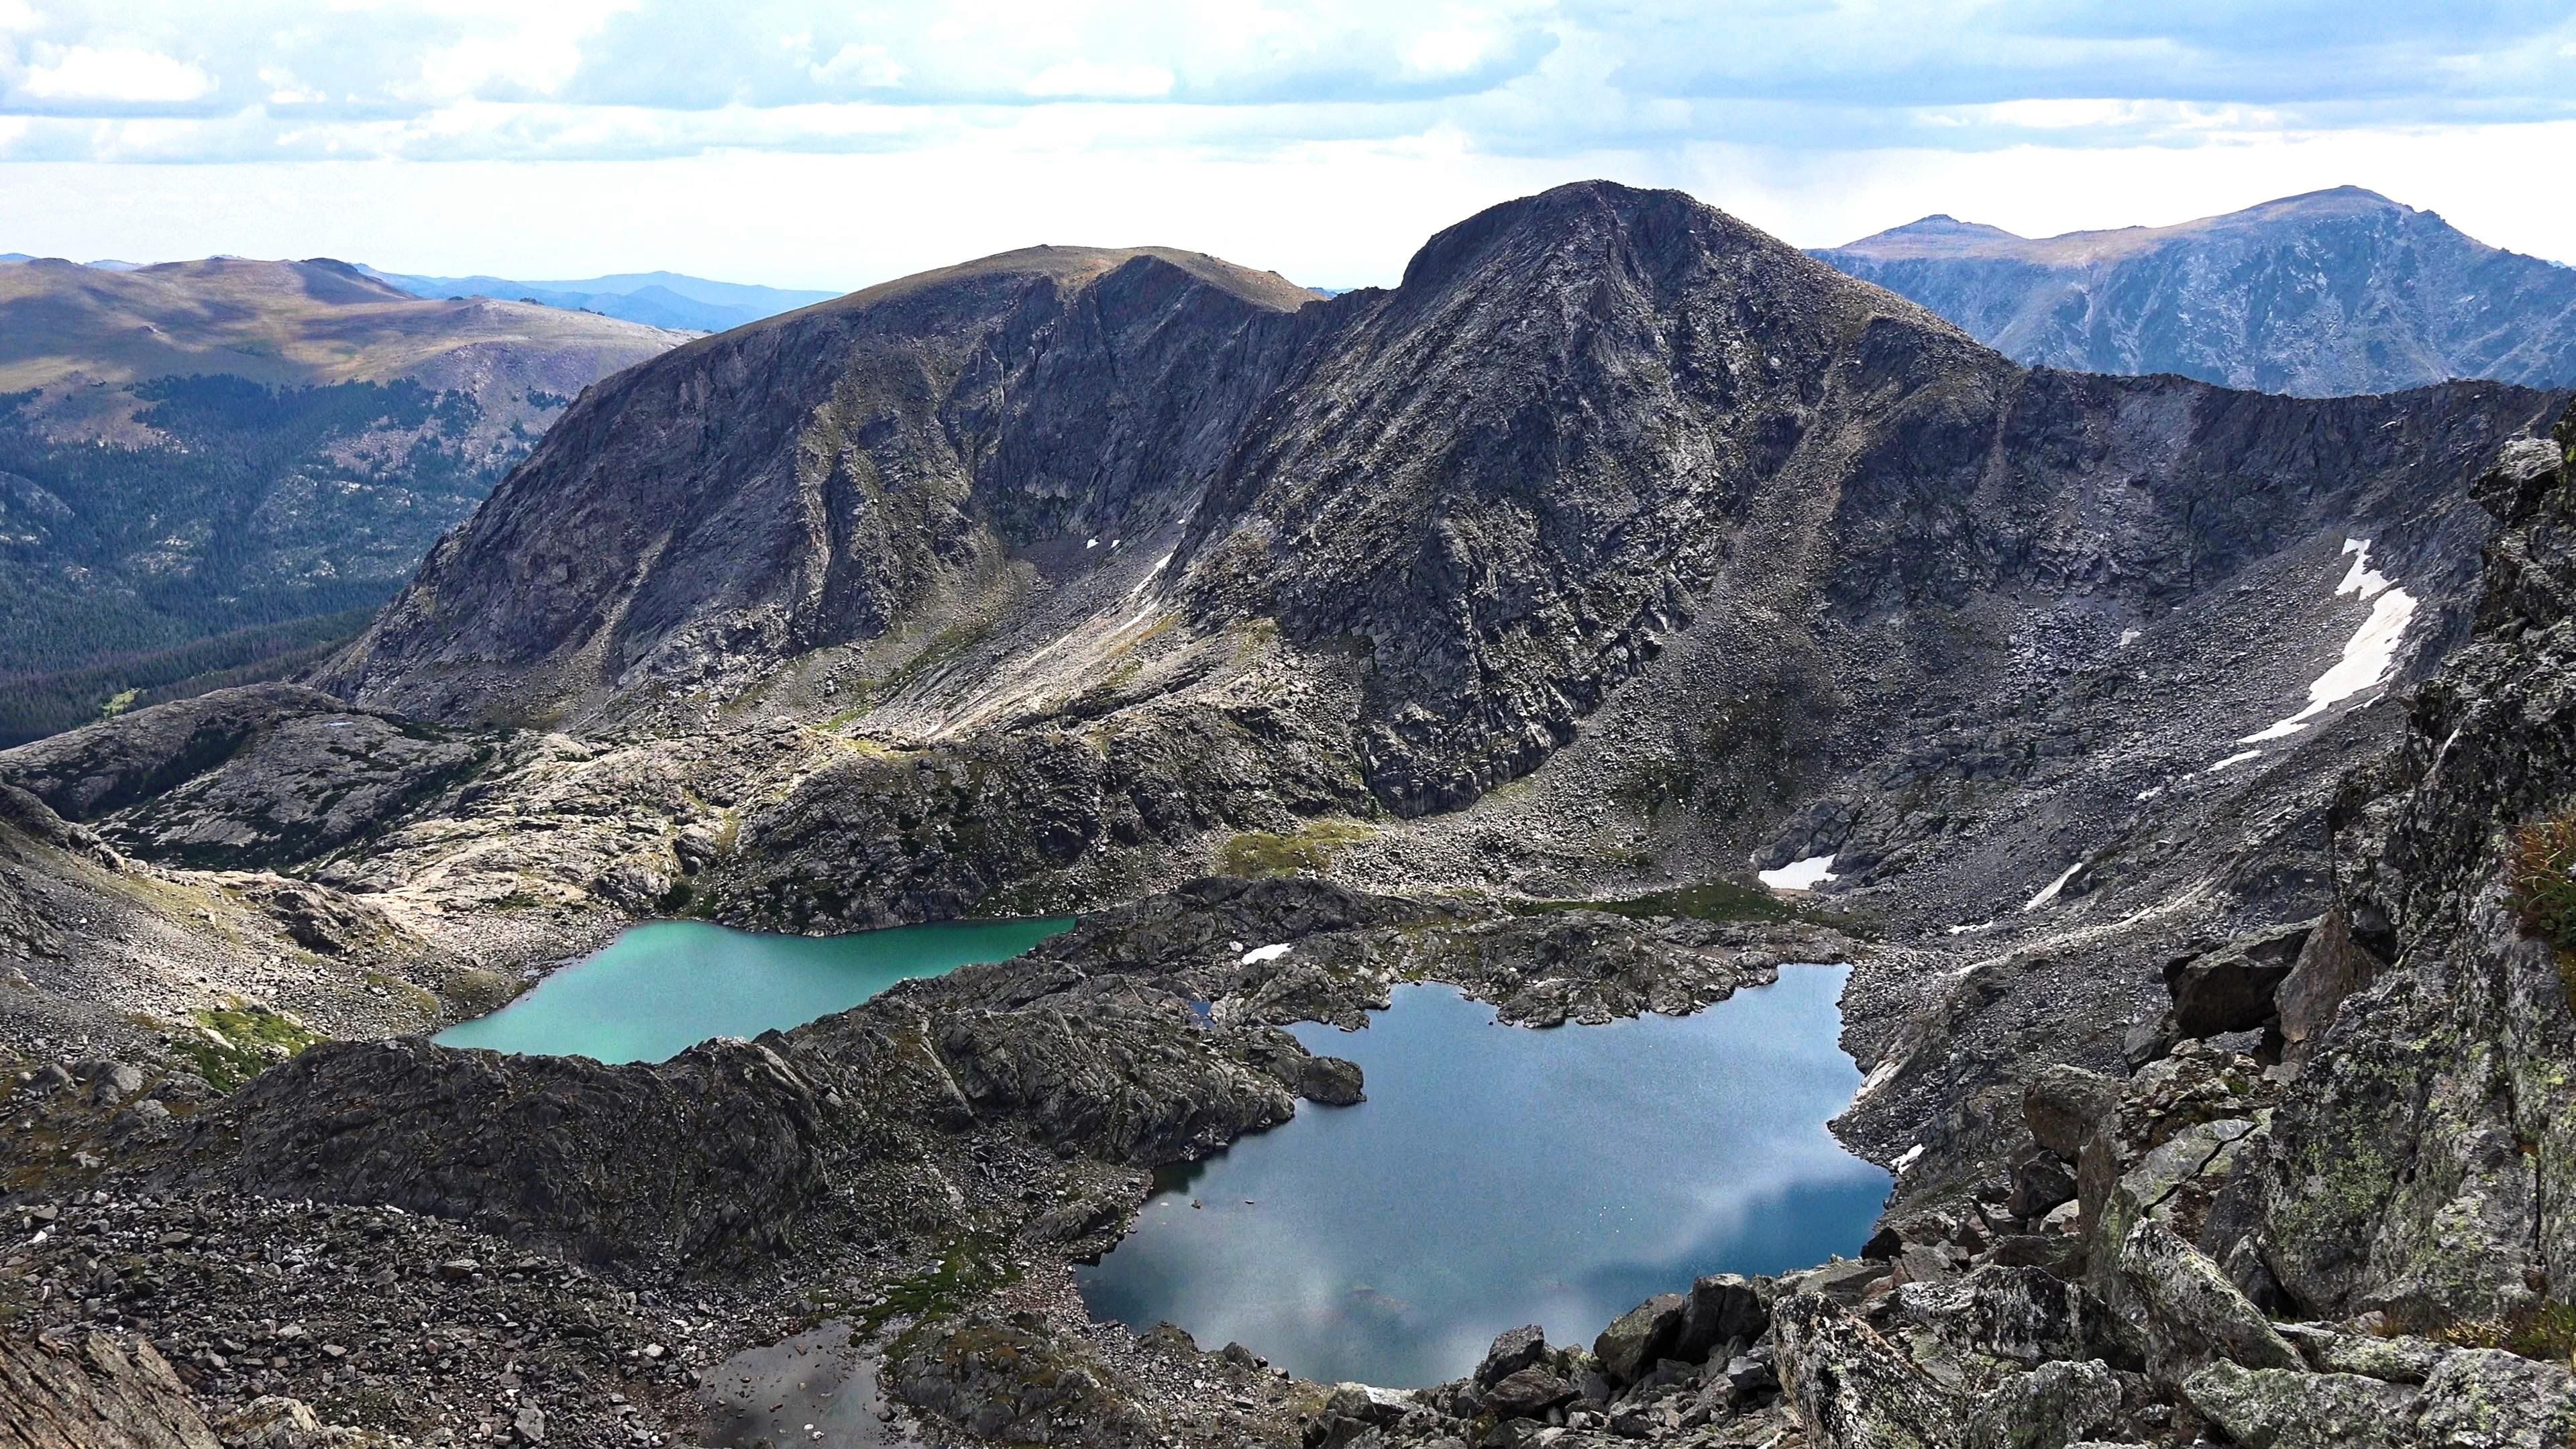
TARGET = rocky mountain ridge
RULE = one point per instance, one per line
(2333, 292)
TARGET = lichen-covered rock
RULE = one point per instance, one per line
(2192, 1314)
(2483, 1398)
(1852, 1389)
(2427, 1153)
(2272, 1408)
(1638, 1338)
(2047, 1408)
(1973, 1332)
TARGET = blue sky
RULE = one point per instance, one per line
(836, 144)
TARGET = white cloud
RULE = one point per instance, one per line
(82, 73)
(871, 66)
(1100, 80)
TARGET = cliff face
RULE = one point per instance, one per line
(2428, 1159)
(1486, 496)
(811, 480)
(2335, 292)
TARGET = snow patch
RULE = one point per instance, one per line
(2050, 893)
(1907, 1159)
(2367, 657)
(1799, 875)
(1876, 1079)
(1259, 954)
(2128, 637)
(2240, 757)
(1150, 575)
(2361, 578)
(1972, 927)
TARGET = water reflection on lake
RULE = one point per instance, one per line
(1498, 1176)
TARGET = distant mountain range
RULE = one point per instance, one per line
(656, 299)
(2334, 292)
(219, 466)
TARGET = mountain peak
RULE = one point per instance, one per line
(1573, 215)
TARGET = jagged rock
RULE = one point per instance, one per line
(2039, 1182)
(2483, 1398)
(2176, 1184)
(2401, 1360)
(2331, 966)
(263, 775)
(1527, 1393)
(1971, 1332)
(95, 1392)
(1722, 1308)
(2061, 1104)
(1852, 1389)
(1636, 1339)
(2423, 1164)
(2272, 1408)
(1514, 1349)
(2192, 1313)
(2047, 1407)
(2231, 988)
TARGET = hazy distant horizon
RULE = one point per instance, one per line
(808, 147)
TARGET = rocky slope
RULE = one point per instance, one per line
(2333, 292)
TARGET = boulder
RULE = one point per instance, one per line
(2230, 989)
(2401, 1360)
(1527, 1393)
(2047, 1407)
(2040, 1182)
(1971, 1332)
(2291, 1409)
(1633, 1343)
(2485, 1398)
(1514, 1349)
(2192, 1313)
(2331, 966)
(2061, 1103)
(1852, 1389)
(1723, 1308)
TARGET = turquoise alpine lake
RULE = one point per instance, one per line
(663, 987)
(1498, 1176)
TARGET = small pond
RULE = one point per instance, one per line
(662, 987)
(1498, 1176)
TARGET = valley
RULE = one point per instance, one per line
(213, 472)
(2152, 754)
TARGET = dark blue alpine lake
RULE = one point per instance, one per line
(1498, 1176)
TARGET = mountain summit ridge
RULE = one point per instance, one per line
(2327, 292)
